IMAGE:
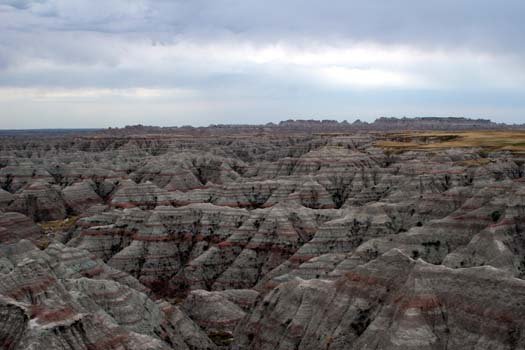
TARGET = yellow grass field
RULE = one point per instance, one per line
(513, 141)
(59, 225)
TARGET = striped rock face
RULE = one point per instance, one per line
(5, 199)
(263, 237)
(64, 298)
(80, 196)
(40, 201)
(392, 302)
(16, 226)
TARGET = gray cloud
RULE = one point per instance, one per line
(271, 53)
(480, 24)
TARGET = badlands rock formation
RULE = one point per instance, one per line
(302, 235)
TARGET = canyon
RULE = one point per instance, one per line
(397, 234)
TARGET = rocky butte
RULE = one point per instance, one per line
(306, 234)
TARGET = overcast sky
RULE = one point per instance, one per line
(99, 63)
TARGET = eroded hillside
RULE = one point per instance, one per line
(262, 240)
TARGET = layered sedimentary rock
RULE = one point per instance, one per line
(264, 237)
(218, 311)
(501, 244)
(15, 226)
(263, 242)
(145, 195)
(5, 199)
(185, 171)
(16, 176)
(44, 305)
(393, 302)
(40, 201)
(155, 245)
(80, 196)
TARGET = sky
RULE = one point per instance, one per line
(101, 63)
